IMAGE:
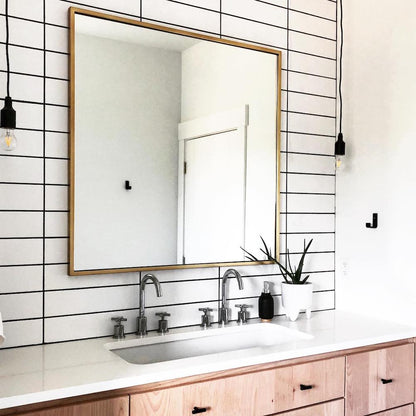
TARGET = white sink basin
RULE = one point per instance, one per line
(176, 346)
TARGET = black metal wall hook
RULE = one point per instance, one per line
(374, 224)
(127, 185)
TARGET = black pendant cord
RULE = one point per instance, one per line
(7, 47)
(340, 64)
(8, 115)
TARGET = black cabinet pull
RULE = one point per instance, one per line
(199, 410)
(386, 381)
(305, 386)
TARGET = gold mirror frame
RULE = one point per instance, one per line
(73, 11)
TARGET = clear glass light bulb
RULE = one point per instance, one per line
(339, 163)
(8, 140)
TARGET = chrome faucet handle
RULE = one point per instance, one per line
(163, 323)
(162, 314)
(205, 318)
(118, 327)
(243, 313)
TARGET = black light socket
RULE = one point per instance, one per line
(8, 115)
(340, 146)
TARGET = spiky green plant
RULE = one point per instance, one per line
(291, 275)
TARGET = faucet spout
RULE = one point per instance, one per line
(155, 281)
(142, 324)
(224, 312)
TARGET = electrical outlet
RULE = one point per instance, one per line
(344, 268)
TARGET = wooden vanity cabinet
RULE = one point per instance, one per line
(118, 406)
(260, 393)
(379, 380)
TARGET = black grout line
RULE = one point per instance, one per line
(42, 103)
(287, 136)
(31, 238)
(23, 319)
(34, 210)
(26, 74)
(308, 114)
(221, 14)
(308, 173)
(36, 157)
(310, 74)
(44, 175)
(195, 6)
(309, 133)
(310, 94)
(308, 153)
(296, 10)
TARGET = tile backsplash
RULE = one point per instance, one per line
(39, 302)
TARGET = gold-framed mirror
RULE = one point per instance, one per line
(174, 147)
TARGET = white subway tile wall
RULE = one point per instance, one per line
(39, 302)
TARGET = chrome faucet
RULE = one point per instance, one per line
(142, 320)
(224, 312)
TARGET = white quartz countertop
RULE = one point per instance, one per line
(55, 371)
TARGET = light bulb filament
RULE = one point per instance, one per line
(7, 139)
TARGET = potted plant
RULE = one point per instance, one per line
(296, 290)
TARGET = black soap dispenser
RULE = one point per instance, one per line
(266, 304)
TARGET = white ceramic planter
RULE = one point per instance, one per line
(297, 298)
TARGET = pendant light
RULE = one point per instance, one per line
(8, 115)
(340, 144)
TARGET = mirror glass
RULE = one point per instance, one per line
(174, 147)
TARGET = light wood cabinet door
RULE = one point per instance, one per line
(250, 395)
(110, 407)
(401, 411)
(335, 408)
(256, 394)
(305, 384)
(379, 380)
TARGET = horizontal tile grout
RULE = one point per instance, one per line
(297, 11)
(27, 74)
(308, 173)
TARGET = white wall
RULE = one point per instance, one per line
(375, 267)
(127, 104)
(38, 301)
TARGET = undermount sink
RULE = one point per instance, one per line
(177, 346)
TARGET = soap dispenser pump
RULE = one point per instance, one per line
(266, 304)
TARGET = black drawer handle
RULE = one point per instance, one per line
(305, 386)
(386, 381)
(199, 410)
